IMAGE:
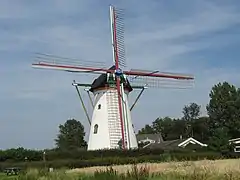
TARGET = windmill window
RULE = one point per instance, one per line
(99, 106)
(95, 129)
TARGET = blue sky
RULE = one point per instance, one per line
(192, 36)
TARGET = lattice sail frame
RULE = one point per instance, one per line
(161, 82)
(58, 60)
(117, 32)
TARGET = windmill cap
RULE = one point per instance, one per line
(101, 82)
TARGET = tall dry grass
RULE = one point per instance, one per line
(217, 166)
(199, 170)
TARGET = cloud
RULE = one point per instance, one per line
(211, 19)
(168, 36)
(201, 30)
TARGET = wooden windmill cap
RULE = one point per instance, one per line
(101, 83)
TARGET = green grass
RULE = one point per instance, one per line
(3, 176)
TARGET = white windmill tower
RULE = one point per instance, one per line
(111, 124)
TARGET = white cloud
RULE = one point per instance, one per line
(211, 19)
(184, 35)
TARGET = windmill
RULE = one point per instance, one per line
(111, 124)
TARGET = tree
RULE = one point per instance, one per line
(166, 126)
(190, 113)
(169, 128)
(162, 125)
(146, 130)
(200, 129)
(178, 130)
(224, 109)
(71, 135)
(219, 140)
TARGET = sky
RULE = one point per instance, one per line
(197, 37)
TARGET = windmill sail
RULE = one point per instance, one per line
(156, 79)
(117, 32)
(117, 113)
(46, 61)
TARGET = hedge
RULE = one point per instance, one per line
(20, 154)
(107, 161)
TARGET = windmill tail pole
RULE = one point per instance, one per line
(139, 95)
(90, 98)
(83, 105)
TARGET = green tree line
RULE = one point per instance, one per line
(221, 124)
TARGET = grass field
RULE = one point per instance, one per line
(198, 170)
(218, 166)
(4, 176)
